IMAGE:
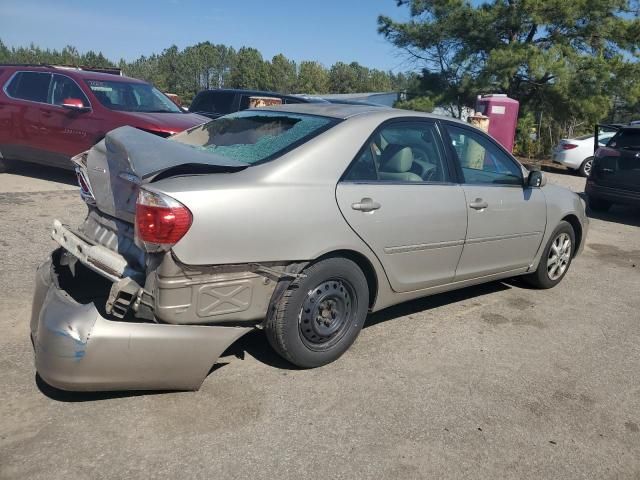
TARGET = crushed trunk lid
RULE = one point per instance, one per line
(114, 168)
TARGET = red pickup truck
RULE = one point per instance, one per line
(49, 114)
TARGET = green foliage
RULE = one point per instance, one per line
(313, 78)
(206, 65)
(568, 63)
(283, 75)
(249, 70)
(419, 104)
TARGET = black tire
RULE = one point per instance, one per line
(4, 165)
(585, 168)
(597, 204)
(543, 276)
(320, 315)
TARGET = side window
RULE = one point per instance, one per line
(401, 152)
(481, 160)
(62, 88)
(32, 86)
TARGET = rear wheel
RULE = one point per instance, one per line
(585, 168)
(597, 204)
(556, 258)
(320, 315)
(4, 165)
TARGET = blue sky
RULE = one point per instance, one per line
(326, 30)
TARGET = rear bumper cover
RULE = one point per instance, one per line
(76, 348)
(613, 195)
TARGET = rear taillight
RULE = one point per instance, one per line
(569, 146)
(160, 220)
(85, 189)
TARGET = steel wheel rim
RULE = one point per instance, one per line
(587, 167)
(559, 256)
(326, 314)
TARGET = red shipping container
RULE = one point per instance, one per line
(503, 117)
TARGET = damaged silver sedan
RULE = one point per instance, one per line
(297, 220)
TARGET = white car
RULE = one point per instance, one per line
(577, 153)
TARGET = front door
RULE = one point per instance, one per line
(399, 198)
(506, 219)
(67, 132)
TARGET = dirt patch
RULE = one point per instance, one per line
(615, 255)
(520, 320)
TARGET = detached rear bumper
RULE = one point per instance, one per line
(77, 348)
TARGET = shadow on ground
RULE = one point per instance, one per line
(618, 214)
(71, 397)
(255, 343)
(42, 172)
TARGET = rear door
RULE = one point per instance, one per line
(67, 132)
(619, 165)
(26, 99)
(400, 199)
(506, 219)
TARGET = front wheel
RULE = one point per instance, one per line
(321, 314)
(556, 258)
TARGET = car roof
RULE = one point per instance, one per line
(72, 72)
(343, 111)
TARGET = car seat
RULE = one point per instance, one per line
(395, 164)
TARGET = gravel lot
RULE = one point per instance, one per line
(496, 381)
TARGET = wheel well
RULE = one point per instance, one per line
(366, 267)
(577, 230)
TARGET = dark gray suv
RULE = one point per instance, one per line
(222, 101)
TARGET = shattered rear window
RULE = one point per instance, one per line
(253, 137)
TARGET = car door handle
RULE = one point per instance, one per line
(45, 112)
(478, 204)
(366, 205)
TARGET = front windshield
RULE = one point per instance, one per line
(253, 136)
(131, 97)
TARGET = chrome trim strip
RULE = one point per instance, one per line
(454, 243)
(471, 241)
(422, 246)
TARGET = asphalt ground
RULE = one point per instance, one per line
(496, 381)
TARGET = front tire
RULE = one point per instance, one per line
(320, 315)
(556, 258)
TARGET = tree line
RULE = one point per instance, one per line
(206, 65)
(569, 64)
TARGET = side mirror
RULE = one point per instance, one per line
(75, 104)
(536, 179)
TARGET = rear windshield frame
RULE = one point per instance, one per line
(331, 122)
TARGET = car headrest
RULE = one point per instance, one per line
(396, 159)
